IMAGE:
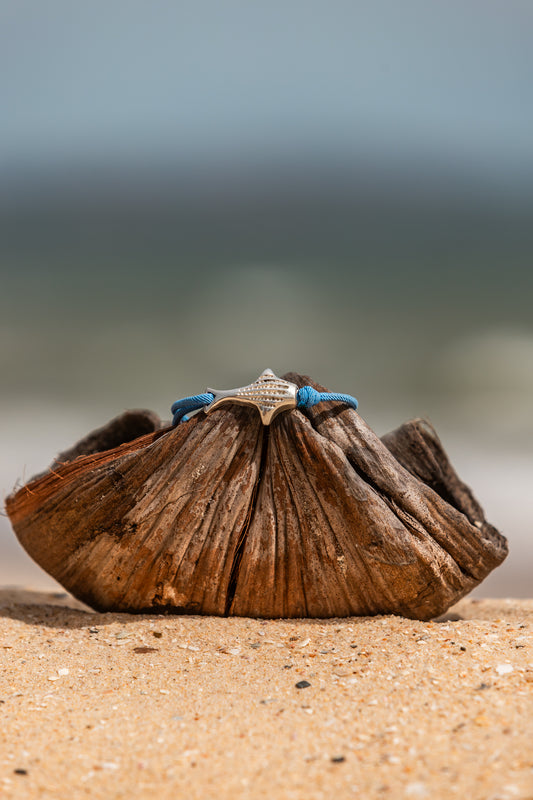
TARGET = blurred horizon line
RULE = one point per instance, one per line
(279, 207)
(380, 167)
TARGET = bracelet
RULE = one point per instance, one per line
(269, 394)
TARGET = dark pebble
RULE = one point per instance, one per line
(482, 686)
(145, 649)
(337, 759)
(20, 771)
(157, 634)
(302, 684)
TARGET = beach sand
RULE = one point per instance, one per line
(120, 706)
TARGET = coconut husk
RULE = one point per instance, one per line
(312, 516)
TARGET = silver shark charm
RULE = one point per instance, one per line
(269, 394)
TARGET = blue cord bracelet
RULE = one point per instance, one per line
(268, 393)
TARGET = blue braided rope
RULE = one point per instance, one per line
(307, 397)
(181, 408)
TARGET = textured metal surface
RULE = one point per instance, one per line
(269, 394)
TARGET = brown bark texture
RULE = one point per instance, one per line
(313, 516)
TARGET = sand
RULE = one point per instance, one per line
(119, 706)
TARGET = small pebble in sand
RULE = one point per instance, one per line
(416, 789)
(504, 669)
(302, 684)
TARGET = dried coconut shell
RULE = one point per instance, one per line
(313, 516)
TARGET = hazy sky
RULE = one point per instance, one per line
(189, 80)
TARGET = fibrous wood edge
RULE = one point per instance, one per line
(123, 429)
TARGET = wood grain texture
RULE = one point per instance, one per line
(150, 528)
(410, 471)
(314, 516)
